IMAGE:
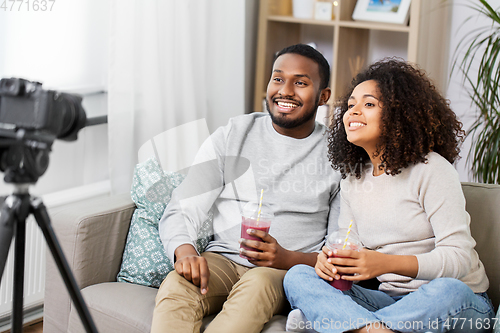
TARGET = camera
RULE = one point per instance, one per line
(25, 104)
(31, 118)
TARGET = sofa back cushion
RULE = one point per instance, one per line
(144, 259)
(483, 205)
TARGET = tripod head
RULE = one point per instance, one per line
(24, 157)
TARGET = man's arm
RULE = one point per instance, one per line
(193, 198)
(188, 208)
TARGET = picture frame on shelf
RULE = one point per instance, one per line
(323, 11)
(384, 11)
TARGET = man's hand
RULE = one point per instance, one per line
(192, 267)
(273, 255)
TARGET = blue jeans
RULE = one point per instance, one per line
(442, 305)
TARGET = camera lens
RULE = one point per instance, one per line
(73, 118)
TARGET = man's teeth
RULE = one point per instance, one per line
(357, 124)
(287, 105)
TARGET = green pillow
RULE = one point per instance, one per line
(496, 322)
(144, 259)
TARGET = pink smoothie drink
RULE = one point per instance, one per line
(342, 285)
(250, 223)
(336, 240)
(257, 216)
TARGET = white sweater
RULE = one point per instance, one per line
(249, 155)
(421, 212)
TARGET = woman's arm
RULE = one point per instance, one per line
(367, 264)
(441, 197)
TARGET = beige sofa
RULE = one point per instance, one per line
(93, 234)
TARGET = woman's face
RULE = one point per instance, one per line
(362, 121)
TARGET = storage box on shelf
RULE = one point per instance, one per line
(426, 35)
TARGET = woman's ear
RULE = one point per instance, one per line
(324, 96)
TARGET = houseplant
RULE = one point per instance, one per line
(483, 44)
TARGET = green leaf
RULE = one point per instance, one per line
(482, 44)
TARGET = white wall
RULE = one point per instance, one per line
(65, 49)
(457, 94)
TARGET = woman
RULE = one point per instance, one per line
(394, 140)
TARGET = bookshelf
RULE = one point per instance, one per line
(425, 41)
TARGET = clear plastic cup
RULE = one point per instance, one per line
(249, 217)
(336, 241)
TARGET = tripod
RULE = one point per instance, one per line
(13, 213)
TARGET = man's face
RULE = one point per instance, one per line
(293, 93)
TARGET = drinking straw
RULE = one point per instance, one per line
(260, 205)
(347, 236)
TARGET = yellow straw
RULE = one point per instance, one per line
(347, 236)
(260, 204)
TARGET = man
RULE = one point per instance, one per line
(285, 154)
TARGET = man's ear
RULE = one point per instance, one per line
(325, 96)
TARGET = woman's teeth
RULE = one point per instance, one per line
(356, 124)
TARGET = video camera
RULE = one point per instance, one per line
(31, 118)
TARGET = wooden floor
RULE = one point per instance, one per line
(33, 328)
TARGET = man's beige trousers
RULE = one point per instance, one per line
(247, 298)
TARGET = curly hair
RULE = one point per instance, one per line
(415, 119)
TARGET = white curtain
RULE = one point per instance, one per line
(173, 62)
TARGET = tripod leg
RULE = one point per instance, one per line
(43, 220)
(13, 224)
(19, 251)
(7, 218)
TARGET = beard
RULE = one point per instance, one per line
(285, 121)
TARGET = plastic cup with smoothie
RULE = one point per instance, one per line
(336, 240)
(250, 219)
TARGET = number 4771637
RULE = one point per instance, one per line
(27, 5)
(470, 324)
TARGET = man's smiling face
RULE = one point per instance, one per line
(294, 94)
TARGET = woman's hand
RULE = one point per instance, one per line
(324, 267)
(366, 264)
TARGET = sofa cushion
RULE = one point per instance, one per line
(124, 307)
(117, 307)
(144, 259)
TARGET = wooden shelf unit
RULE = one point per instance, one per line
(427, 35)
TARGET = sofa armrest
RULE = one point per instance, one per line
(92, 235)
(482, 203)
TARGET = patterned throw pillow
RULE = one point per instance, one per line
(496, 322)
(144, 259)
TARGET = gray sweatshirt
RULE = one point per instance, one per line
(420, 212)
(231, 168)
